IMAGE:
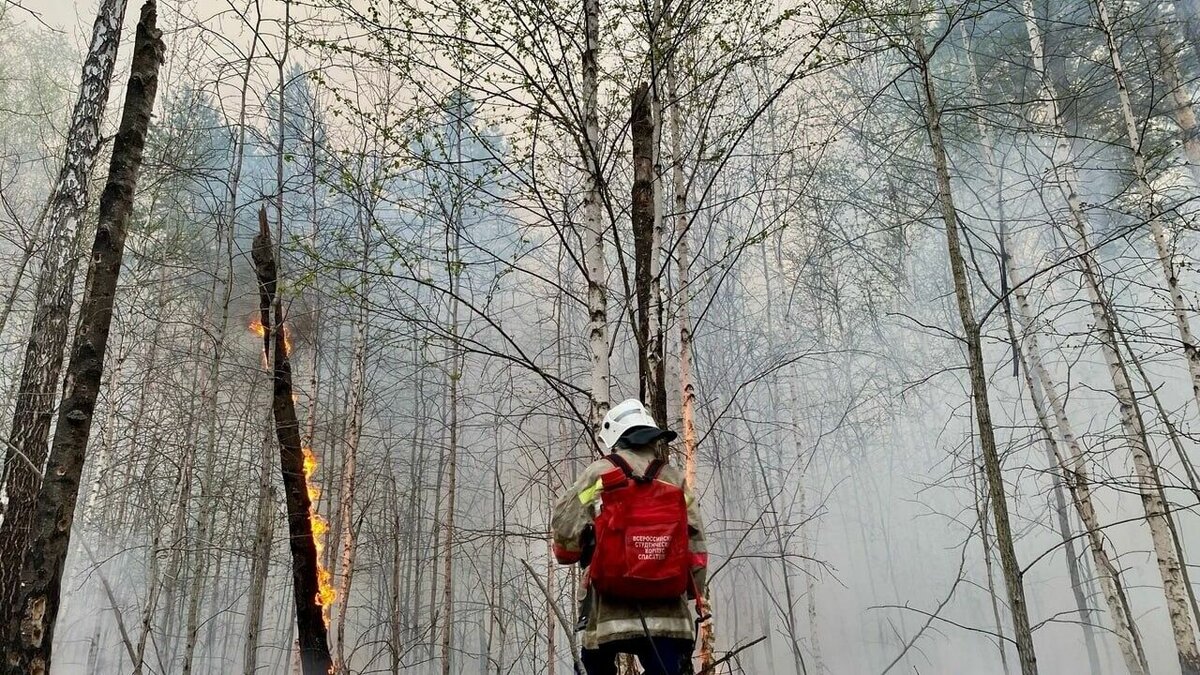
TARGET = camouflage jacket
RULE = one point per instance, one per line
(611, 619)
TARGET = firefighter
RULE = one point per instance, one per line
(626, 614)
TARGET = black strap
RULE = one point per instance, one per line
(619, 462)
(652, 471)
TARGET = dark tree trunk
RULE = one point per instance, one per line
(25, 453)
(27, 642)
(652, 385)
(315, 658)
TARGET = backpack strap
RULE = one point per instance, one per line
(653, 470)
(619, 476)
(619, 462)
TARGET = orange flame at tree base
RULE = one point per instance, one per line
(326, 593)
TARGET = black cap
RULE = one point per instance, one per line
(641, 436)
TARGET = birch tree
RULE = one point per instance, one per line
(29, 636)
(1022, 629)
(27, 444)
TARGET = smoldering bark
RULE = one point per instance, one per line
(993, 472)
(313, 640)
(28, 641)
(27, 447)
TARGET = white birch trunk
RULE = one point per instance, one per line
(260, 564)
(1076, 475)
(593, 222)
(1174, 592)
(1182, 109)
(28, 442)
(1157, 232)
(1021, 293)
(1014, 583)
(353, 434)
(687, 388)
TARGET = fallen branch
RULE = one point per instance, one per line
(568, 628)
(712, 667)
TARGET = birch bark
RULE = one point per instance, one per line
(1011, 569)
(25, 453)
(1066, 181)
(595, 266)
(260, 560)
(1191, 353)
(28, 642)
(353, 434)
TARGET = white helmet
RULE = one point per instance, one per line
(630, 420)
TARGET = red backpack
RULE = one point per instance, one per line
(641, 548)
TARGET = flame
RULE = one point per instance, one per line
(326, 593)
(256, 327)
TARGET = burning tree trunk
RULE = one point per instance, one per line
(28, 641)
(651, 383)
(315, 658)
(1011, 569)
(25, 453)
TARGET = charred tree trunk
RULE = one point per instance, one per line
(1014, 584)
(29, 640)
(25, 453)
(651, 383)
(315, 658)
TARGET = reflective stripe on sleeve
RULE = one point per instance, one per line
(589, 494)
